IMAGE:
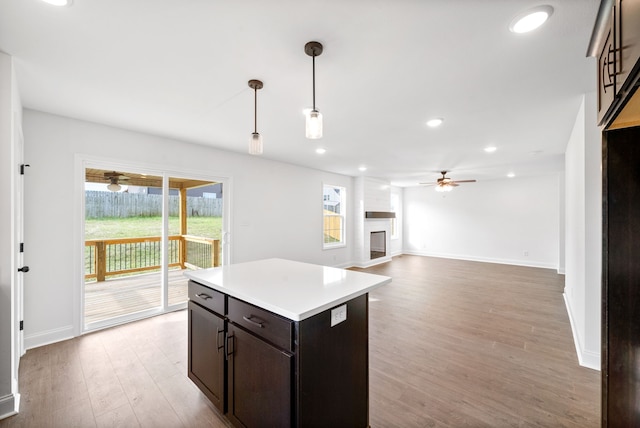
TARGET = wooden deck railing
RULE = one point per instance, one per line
(109, 257)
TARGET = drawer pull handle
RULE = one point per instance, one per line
(248, 319)
(203, 296)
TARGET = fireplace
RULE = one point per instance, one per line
(378, 244)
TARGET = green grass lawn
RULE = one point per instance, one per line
(135, 227)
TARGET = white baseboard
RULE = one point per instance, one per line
(9, 405)
(369, 263)
(484, 259)
(47, 337)
(586, 358)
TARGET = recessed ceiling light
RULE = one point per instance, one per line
(511, 175)
(58, 2)
(435, 122)
(531, 19)
(362, 168)
(321, 151)
(490, 149)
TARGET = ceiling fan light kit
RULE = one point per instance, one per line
(113, 178)
(444, 187)
(446, 184)
(313, 128)
(255, 143)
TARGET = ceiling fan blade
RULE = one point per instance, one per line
(464, 181)
(427, 184)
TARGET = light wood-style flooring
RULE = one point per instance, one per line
(469, 344)
(452, 344)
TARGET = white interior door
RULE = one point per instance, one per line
(18, 227)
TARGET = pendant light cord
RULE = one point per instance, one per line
(255, 110)
(314, 79)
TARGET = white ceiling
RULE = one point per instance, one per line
(179, 68)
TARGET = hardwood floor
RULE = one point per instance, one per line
(457, 343)
(452, 344)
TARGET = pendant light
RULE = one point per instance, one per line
(255, 144)
(314, 117)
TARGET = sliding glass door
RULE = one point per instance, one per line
(141, 231)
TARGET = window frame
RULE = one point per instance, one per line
(342, 215)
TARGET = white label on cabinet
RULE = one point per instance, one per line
(338, 315)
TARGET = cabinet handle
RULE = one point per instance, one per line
(228, 352)
(248, 319)
(218, 339)
(203, 296)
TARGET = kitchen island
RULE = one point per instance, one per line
(281, 343)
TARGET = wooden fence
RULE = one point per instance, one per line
(121, 205)
(333, 227)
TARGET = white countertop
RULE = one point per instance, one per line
(294, 290)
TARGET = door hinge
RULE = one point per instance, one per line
(22, 167)
(21, 325)
(22, 247)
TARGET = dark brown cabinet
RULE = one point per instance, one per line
(207, 328)
(618, 26)
(621, 279)
(616, 45)
(628, 34)
(260, 379)
(206, 356)
(264, 370)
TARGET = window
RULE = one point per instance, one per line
(333, 214)
(395, 201)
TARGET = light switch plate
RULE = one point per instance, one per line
(338, 315)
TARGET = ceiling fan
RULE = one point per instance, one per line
(445, 184)
(114, 178)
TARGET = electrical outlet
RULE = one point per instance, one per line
(338, 315)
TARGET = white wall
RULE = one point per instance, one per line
(397, 244)
(584, 232)
(9, 118)
(492, 221)
(276, 207)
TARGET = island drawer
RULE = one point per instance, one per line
(207, 297)
(269, 326)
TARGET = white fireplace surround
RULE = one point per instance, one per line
(376, 225)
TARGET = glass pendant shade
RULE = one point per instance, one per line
(255, 144)
(114, 187)
(314, 125)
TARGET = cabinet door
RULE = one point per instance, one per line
(621, 279)
(260, 381)
(628, 43)
(206, 353)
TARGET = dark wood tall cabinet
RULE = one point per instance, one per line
(616, 44)
(621, 279)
